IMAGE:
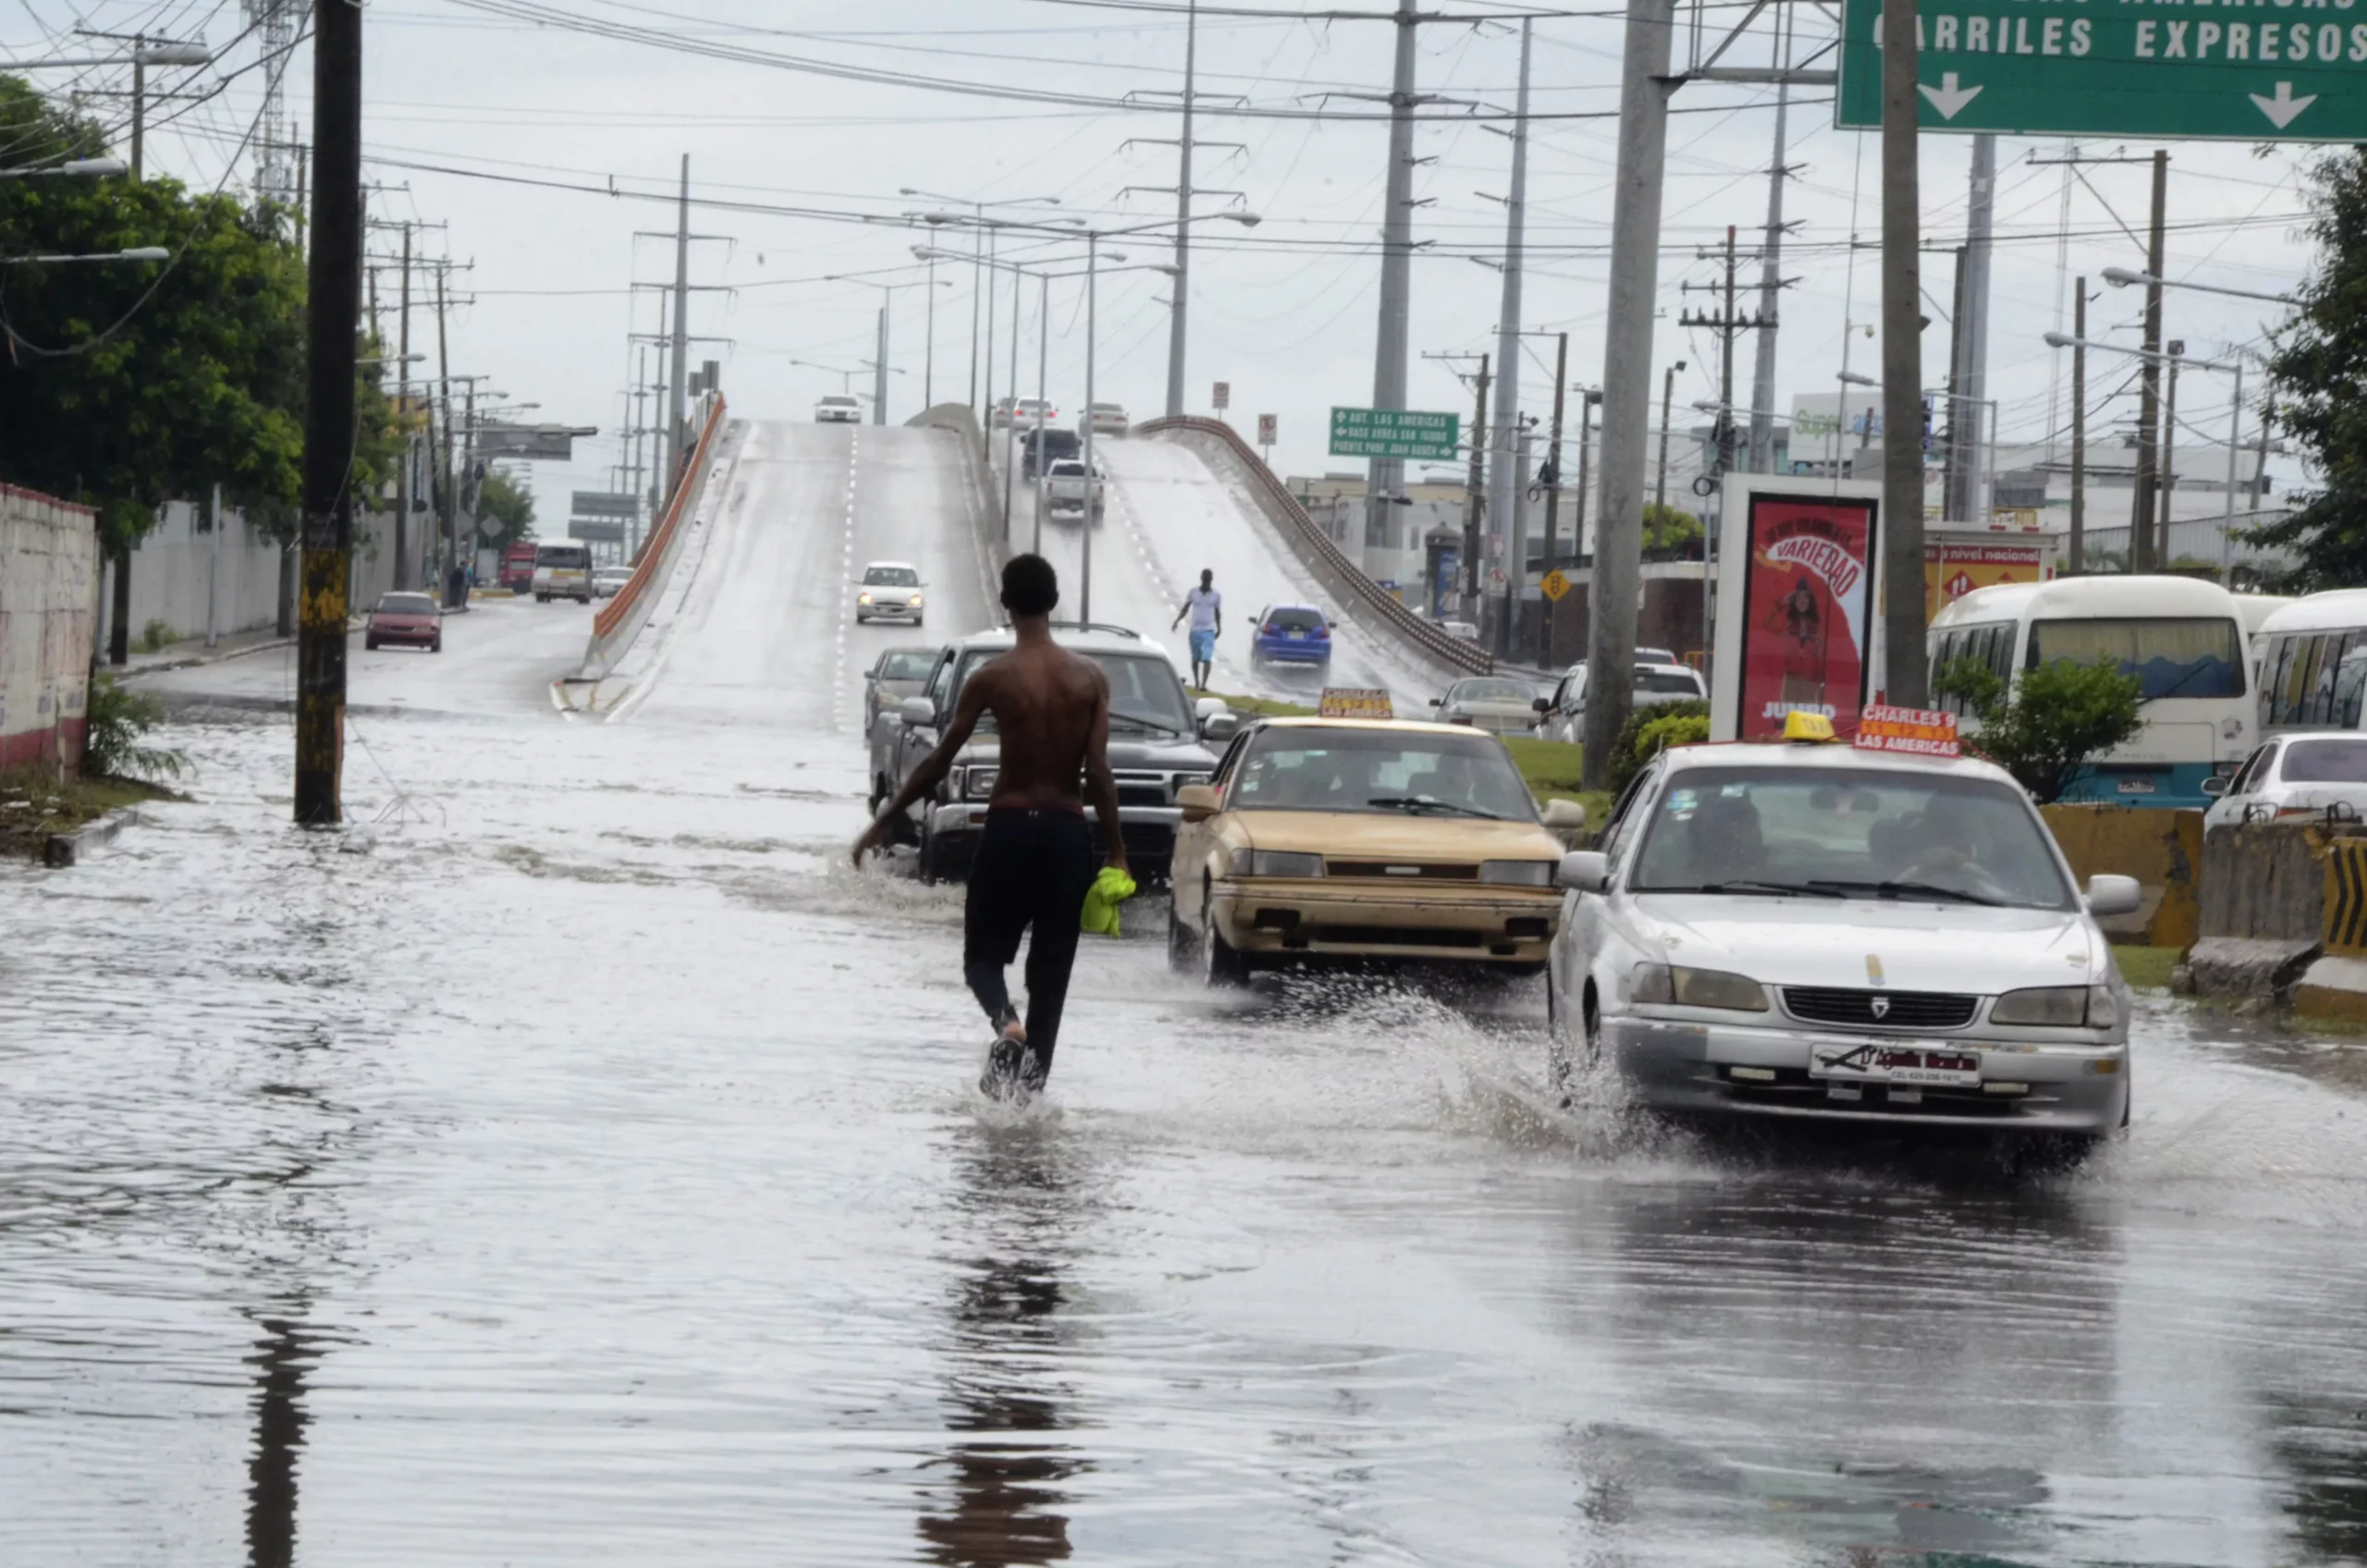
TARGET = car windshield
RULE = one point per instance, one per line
(2324, 761)
(890, 577)
(2190, 656)
(838, 402)
(1109, 408)
(1662, 683)
(406, 604)
(1847, 833)
(1492, 691)
(908, 664)
(1383, 772)
(1068, 467)
(1146, 694)
(1294, 620)
(574, 556)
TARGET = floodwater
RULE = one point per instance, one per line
(573, 1160)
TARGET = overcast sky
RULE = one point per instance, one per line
(470, 106)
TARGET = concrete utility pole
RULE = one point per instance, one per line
(1506, 482)
(402, 410)
(445, 510)
(1907, 678)
(879, 366)
(1182, 280)
(679, 361)
(1964, 416)
(1384, 477)
(334, 285)
(2079, 562)
(1770, 284)
(2149, 399)
(1644, 88)
(2167, 479)
(1552, 486)
(1474, 497)
(1660, 474)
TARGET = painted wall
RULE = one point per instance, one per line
(176, 569)
(49, 589)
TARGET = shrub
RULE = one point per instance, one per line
(2046, 731)
(157, 635)
(1672, 729)
(1630, 753)
(118, 722)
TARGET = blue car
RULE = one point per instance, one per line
(1290, 634)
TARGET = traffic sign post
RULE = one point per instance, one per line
(2242, 73)
(1404, 434)
(1224, 396)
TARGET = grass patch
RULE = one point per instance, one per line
(33, 804)
(1265, 707)
(2145, 969)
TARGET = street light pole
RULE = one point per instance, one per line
(1092, 475)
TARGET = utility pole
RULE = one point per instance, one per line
(334, 284)
(1771, 283)
(402, 410)
(2167, 480)
(1951, 447)
(2078, 428)
(1385, 476)
(1475, 499)
(1182, 279)
(1644, 87)
(1506, 483)
(447, 509)
(879, 367)
(677, 371)
(1907, 678)
(1729, 322)
(138, 109)
(1552, 480)
(2148, 397)
(1659, 478)
(1971, 335)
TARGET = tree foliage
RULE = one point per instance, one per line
(504, 500)
(1631, 751)
(126, 384)
(1668, 531)
(2318, 381)
(2060, 719)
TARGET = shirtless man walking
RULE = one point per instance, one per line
(1034, 860)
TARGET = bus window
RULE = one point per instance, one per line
(2171, 656)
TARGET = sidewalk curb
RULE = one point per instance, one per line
(198, 661)
(71, 849)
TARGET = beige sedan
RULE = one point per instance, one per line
(1349, 838)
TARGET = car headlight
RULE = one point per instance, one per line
(978, 783)
(1518, 873)
(914, 601)
(863, 598)
(2058, 1007)
(1273, 863)
(1674, 985)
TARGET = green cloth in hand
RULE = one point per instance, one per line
(1109, 889)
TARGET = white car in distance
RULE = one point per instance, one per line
(1812, 931)
(1106, 419)
(835, 410)
(2293, 777)
(890, 590)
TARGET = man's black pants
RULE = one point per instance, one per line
(1033, 868)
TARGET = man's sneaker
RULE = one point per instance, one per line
(1010, 1074)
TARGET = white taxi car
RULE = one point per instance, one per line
(1816, 931)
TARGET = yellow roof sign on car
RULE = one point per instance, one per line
(1808, 727)
(1354, 702)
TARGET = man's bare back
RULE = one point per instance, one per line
(1048, 706)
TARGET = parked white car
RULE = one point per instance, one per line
(1655, 684)
(2294, 776)
(1497, 704)
(1815, 931)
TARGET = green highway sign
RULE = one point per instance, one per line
(2273, 70)
(1394, 433)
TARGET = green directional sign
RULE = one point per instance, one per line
(2287, 70)
(1394, 433)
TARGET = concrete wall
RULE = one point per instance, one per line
(176, 570)
(2161, 848)
(49, 589)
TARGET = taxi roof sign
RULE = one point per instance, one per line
(1354, 702)
(1808, 727)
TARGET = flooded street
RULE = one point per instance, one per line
(574, 1160)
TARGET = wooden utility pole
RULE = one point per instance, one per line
(2149, 396)
(403, 552)
(333, 286)
(443, 499)
(2079, 562)
(1553, 493)
(1475, 500)
(1907, 674)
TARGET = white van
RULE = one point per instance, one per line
(562, 570)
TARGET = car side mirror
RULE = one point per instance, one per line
(1208, 708)
(1584, 871)
(1199, 802)
(2217, 784)
(2110, 895)
(1221, 726)
(1565, 817)
(1541, 705)
(918, 712)
(1438, 701)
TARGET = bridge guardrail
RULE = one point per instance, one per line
(619, 621)
(1327, 560)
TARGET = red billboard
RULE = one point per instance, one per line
(1808, 611)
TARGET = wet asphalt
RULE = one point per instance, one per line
(574, 1160)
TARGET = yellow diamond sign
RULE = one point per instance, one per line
(1555, 585)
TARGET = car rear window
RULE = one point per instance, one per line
(1662, 683)
(2325, 762)
(1290, 620)
(565, 556)
(912, 666)
(406, 604)
(1492, 691)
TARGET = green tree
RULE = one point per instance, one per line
(2046, 731)
(501, 499)
(2318, 384)
(1668, 531)
(126, 384)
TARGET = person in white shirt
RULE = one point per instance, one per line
(1206, 607)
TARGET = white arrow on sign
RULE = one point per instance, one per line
(1950, 99)
(2283, 109)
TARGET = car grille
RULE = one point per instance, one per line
(1142, 795)
(1896, 1010)
(1400, 871)
(1397, 936)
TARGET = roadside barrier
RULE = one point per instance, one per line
(1320, 555)
(618, 621)
(2161, 848)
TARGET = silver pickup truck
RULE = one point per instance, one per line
(1066, 489)
(1158, 742)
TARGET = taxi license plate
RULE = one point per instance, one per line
(1893, 1061)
